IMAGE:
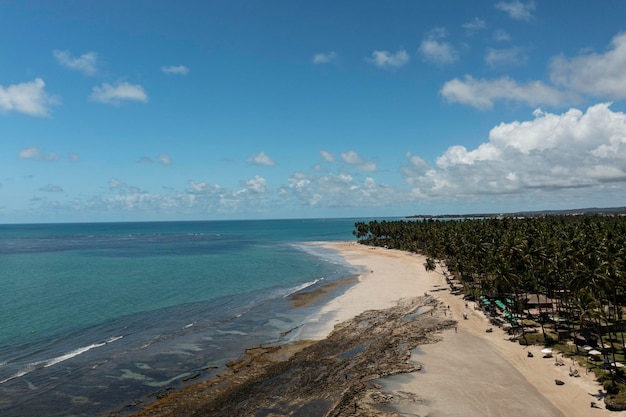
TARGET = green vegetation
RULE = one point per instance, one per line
(548, 279)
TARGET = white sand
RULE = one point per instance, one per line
(470, 372)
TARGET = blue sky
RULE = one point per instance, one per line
(163, 110)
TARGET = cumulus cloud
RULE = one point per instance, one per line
(435, 49)
(165, 159)
(500, 35)
(483, 93)
(354, 159)
(506, 57)
(327, 156)
(254, 196)
(474, 26)
(118, 93)
(339, 190)
(256, 185)
(324, 58)
(73, 156)
(87, 63)
(261, 159)
(115, 183)
(516, 9)
(386, 59)
(175, 70)
(202, 187)
(34, 153)
(29, 98)
(551, 152)
(597, 74)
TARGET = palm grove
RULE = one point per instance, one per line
(578, 262)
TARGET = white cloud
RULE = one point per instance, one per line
(73, 156)
(458, 154)
(203, 187)
(474, 26)
(505, 57)
(436, 50)
(327, 156)
(254, 197)
(86, 63)
(339, 190)
(351, 158)
(386, 59)
(261, 159)
(175, 70)
(165, 159)
(324, 58)
(29, 98)
(501, 35)
(551, 153)
(115, 183)
(34, 153)
(115, 94)
(354, 159)
(516, 9)
(600, 75)
(483, 93)
(257, 185)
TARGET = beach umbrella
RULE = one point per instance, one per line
(546, 351)
(587, 347)
(595, 352)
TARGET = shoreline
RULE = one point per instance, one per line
(570, 399)
(467, 369)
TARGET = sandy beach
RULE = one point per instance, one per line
(395, 352)
(470, 372)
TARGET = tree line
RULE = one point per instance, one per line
(578, 260)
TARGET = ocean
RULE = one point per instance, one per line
(102, 317)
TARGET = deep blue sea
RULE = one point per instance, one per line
(94, 317)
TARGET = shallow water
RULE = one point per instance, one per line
(95, 317)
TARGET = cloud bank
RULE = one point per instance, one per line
(552, 152)
(599, 75)
(558, 156)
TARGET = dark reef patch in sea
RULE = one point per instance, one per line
(140, 357)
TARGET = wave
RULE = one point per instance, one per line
(301, 287)
(30, 367)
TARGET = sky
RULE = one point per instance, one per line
(129, 110)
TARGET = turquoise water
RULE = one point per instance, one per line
(95, 316)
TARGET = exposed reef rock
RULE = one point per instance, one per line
(331, 377)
